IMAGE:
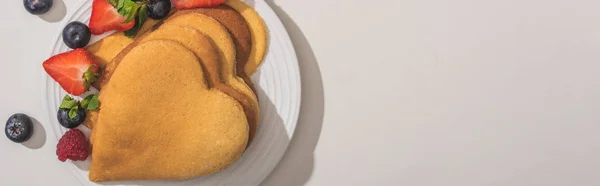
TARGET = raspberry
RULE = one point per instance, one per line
(73, 146)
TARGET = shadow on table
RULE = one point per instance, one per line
(297, 165)
(56, 13)
(38, 138)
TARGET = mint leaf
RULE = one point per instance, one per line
(132, 14)
(73, 112)
(94, 103)
(90, 102)
(68, 102)
(128, 8)
(84, 103)
(142, 15)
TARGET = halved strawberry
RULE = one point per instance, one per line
(74, 70)
(105, 18)
(187, 4)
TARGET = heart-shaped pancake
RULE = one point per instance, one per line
(203, 48)
(239, 31)
(226, 51)
(160, 120)
(258, 30)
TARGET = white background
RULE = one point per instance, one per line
(395, 92)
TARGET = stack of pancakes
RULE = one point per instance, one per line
(177, 102)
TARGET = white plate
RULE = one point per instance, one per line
(278, 85)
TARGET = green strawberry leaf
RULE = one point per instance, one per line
(142, 15)
(120, 5)
(90, 102)
(73, 112)
(90, 77)
(68, 102)
(114, 3)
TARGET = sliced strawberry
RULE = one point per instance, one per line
(187, 4)
(106, 18)
(74, 70)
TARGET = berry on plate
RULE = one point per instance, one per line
(71, 112)
(76, 35)
(19, 128)
(159, 9)
(71, 119)
(106, 17)
(188, 4)
(37, 7)
(74, 70)
(73, 146)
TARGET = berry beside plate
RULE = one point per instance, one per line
(37, 7)
(19, 128)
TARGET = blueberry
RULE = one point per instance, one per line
(76, 35)
(159, 9)
(19, 128)
(66, 121)
(37, 7)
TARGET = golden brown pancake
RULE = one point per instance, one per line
(113, 46)
(226, 51)
(107, 48)
(160, 120)
(203, 48)
(104, 51)
(258, 31)
(239, 31)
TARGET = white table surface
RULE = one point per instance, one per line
(403, 92)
